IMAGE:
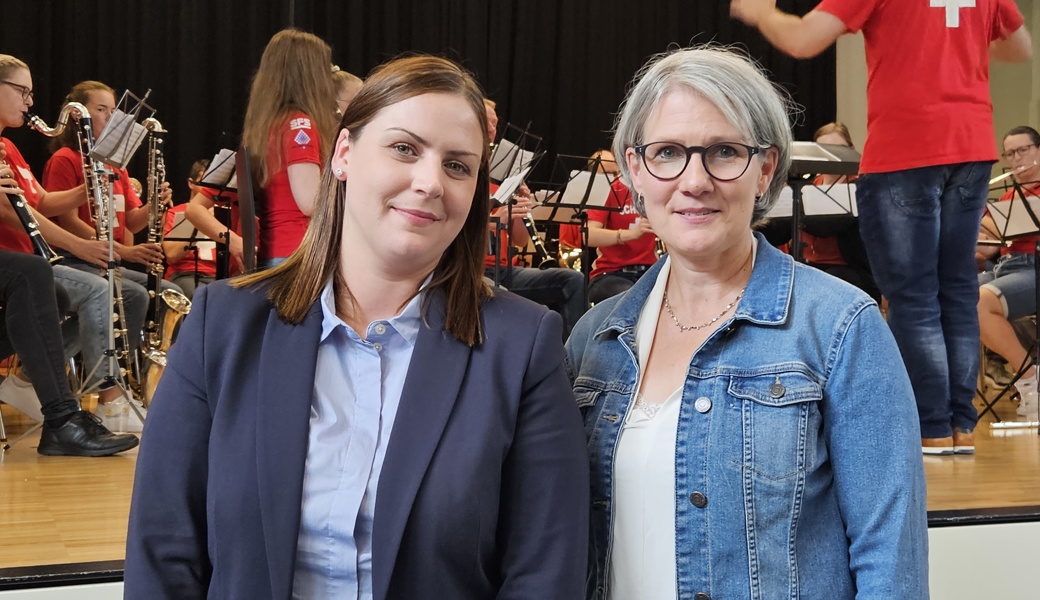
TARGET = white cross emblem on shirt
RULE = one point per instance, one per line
(953, 12)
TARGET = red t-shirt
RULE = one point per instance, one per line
(282, 222)
(640, 251)
(928, 99)
(207, 264)
(64, 171)
(503, 243)
(1027, 244)
(15, 238)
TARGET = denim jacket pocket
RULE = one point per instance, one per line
(779, 420)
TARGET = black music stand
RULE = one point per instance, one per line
(809, 159)
(114, 147)
(183, 230)
(220, 177)
(580, 189)
(1016, 218)
(246, 209)
(509, 160)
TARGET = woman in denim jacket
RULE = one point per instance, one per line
(751, 427)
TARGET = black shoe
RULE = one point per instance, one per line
(83, 435)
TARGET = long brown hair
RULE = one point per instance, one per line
(79, 93)
(297, 283)
(295, 74)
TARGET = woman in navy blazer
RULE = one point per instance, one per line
(477, 486)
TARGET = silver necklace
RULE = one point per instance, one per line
(685, 328)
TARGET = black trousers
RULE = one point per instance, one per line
(30, 327)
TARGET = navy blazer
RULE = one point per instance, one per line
(484, 488)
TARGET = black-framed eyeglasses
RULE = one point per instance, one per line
(26, 92)
(723, 161)
(1018, 152)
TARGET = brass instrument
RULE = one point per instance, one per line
(28, 220)
(177, 307)
(99, 199)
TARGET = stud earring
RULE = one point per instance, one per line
(339, 172)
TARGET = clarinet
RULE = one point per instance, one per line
(545, 260)
(99, 202)
(156, 227)
(21, 208)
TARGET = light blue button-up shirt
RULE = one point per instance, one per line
(357, 389)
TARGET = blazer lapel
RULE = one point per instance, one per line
(435, 375)
(285, 385)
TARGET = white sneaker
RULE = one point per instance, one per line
(118, 417)
(1028, 405)
(20, 394)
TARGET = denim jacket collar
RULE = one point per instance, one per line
(766, 301)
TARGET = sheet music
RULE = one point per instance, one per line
(574, 193)
(1012, 218)
(508, 160)
(182, 228)
(221, 170)
(838, 199)
(120, 139)
(509, 186)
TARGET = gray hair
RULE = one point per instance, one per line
(729, 80)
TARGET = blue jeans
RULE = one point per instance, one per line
(559, 289)
(1013, 280)
(920, 227)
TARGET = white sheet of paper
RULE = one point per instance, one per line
(838, 199)
(221, 168)
(508, 160)
(510, 185)
(574, 193)
(1012, 218)
(120, 139)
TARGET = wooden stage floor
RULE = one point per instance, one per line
(60, 510)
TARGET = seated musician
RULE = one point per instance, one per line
(559, 289)
(1008, 292)
(88, 292)
(29, 325)
(627, 245)
(190, 264)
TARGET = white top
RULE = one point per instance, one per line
(642, 558)
(642, 561)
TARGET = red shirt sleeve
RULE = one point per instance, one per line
(300, 141)
(853, 13)
(1008, 20)
(62, 172)
(132, 199)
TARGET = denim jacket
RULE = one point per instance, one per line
(798, 471)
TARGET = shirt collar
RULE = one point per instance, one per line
(406, 322)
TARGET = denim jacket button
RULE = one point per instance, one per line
(777, 390)
(701, 596)
(698, 499)
(702, 404)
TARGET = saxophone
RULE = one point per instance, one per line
(99, 201)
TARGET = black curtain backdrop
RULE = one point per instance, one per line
(561, 66)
